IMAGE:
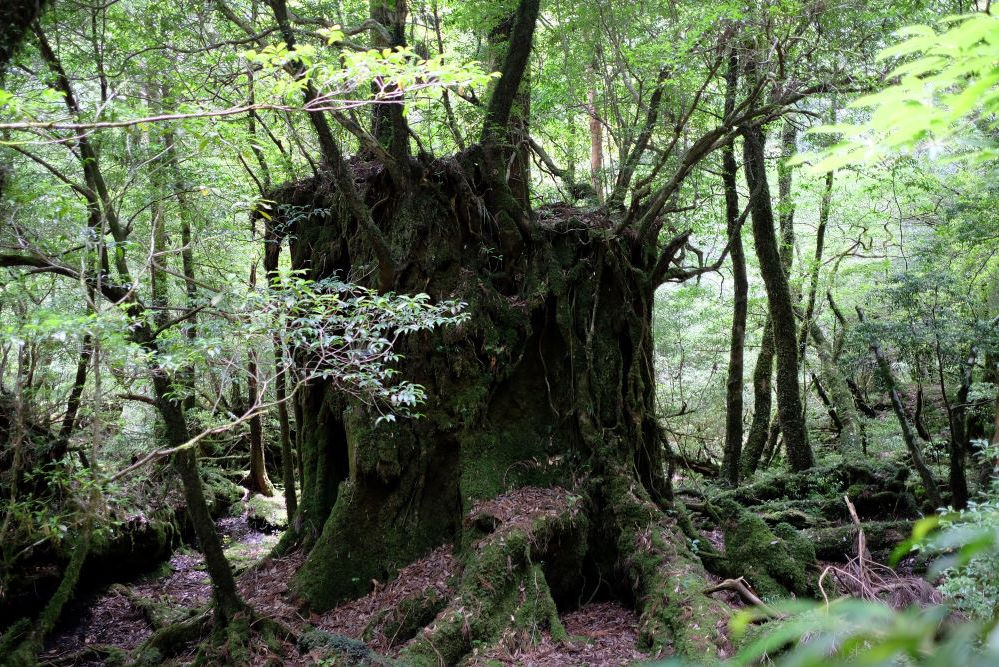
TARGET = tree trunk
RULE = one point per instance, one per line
(257, 480)
(908, 434)
(740, 296)
(550, 380)
(388, 124)
(957, 415)
(789, 406)
(287, 453)
(224, 593)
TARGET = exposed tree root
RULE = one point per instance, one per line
(666, 578)
(154, 613)
(739, 586)
(108, 654)
(26, 652)
(169, 639)
(777, 562)
(865, 578)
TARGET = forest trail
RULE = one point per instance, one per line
(123, 615)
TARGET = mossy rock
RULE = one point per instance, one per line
(265, 514)
(343, 650)
(776, 562)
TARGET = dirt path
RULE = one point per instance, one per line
(600, 633)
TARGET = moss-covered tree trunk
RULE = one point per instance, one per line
(553, 375)
(546, 392)
(789, 405)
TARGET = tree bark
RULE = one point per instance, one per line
(759, 428)
(789, 406)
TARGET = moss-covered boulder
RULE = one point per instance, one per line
(322, 645)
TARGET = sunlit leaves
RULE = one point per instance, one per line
(945, 96)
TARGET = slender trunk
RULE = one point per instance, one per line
(785, 201)
(859, 400)
(910, 437)
(957, 418)
(827, 402)
(596, 145)
(773, 442)
(756, 440)
(918, 416)
(734, 383)
(225, 595)
(287, 455)
(789, 405)
(813, 281)
(851, 432)
(73, 401)
(257, 480)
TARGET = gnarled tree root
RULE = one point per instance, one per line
(503, 586)
(169, 639)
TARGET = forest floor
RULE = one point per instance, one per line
(123, 616)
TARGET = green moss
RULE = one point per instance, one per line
(503, 587)
(409, 616)
(666, 578)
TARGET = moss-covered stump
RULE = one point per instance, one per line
(550, 382)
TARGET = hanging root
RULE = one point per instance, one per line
(666, 579)
(504, 593)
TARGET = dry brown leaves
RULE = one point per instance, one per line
(600, 633)
(518, 509)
